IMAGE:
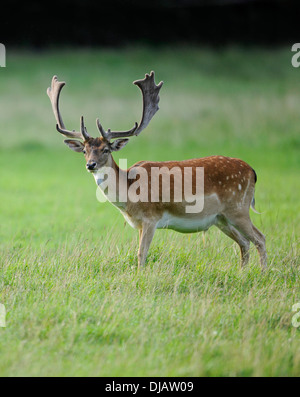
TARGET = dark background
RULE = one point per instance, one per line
(38, 24)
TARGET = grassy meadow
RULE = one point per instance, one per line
(76, 305)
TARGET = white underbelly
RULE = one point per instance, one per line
(186, 224)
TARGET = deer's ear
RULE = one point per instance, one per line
(118, 144)
(77, 146)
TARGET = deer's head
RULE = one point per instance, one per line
(97, 151)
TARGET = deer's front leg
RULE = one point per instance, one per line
(146, 235)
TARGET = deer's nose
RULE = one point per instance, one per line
(91, 165)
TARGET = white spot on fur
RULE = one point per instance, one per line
(239, 187)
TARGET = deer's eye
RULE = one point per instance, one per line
(105, 150)
(84, 151)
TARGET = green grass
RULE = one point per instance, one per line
(75, 303)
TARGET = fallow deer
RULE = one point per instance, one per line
(227, 194)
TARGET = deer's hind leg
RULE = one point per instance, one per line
(260, 244)
(235, 235)
(243, 223)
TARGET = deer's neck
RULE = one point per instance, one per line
(112, 180)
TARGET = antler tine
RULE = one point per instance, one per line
(83, 130)
(102, 130)
(150, 93)
(108, 135)
(54, 93)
